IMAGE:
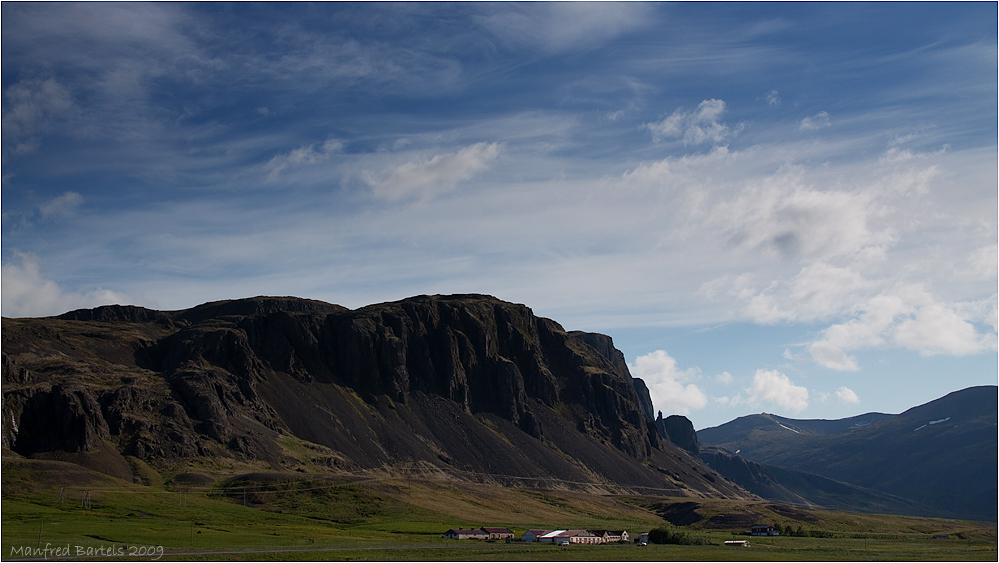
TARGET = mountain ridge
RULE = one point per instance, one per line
(461, 384)
(940, 455)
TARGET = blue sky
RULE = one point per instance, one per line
(786, 208)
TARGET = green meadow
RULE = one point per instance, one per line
(48, 506)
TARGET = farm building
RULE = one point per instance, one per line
(465, 534)
(570, 536)
(610, 536)
(550, 536)
(763, 530)
(498, 533)
(533, 535)
(642, 538)
(561, 537)
(581, 536)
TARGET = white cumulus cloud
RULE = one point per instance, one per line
(906, 317)
(843, 254)
(774, 387)
(25, 291)
(846, 395)
(938, 329)
(669, 386)
(694, 128)
(783, 215)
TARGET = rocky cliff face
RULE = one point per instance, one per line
(680, 431)
(463, 383)
(644, 399)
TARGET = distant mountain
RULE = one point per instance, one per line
(793, 486)
(466, 386)
(941, 456)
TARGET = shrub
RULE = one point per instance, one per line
(669, 534)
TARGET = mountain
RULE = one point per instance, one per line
(941, 457)
(792, 486)
(466, 386)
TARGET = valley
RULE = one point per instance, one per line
(395, 517)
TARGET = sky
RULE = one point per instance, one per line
(778, 207)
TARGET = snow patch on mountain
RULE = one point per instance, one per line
(931, 423)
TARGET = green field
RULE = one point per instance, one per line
(350, 518)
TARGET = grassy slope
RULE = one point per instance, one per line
(389, 518)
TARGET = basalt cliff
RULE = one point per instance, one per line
(461, 387)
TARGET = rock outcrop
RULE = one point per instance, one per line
(680, 431)
(117, 314)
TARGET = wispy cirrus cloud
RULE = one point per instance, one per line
(32, 107)
(427, 178)
(559, 26)
(62, 206)
(303, 156)
(818, 121)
